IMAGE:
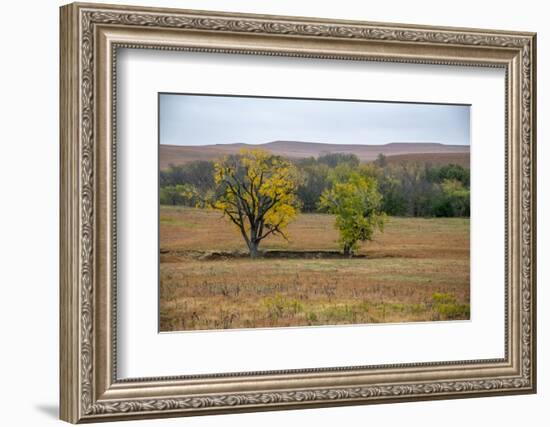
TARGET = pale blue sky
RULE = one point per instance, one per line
(203, 120)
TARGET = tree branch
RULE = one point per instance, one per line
(239, 224)
(274, 229)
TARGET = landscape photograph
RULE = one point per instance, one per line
(300, 212)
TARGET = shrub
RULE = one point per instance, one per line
(446, 307)
(279, 306)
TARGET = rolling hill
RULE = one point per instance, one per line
(396, 151)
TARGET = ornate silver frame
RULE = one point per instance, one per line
(90, 36)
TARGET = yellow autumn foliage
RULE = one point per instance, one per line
(256, 190)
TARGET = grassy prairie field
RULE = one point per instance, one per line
(417, 270)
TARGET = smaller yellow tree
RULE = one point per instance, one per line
(256, 191)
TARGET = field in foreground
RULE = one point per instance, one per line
(417, 270)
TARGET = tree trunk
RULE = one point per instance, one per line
(253, 249)
(347, 250)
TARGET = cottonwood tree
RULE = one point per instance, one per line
(256, 191)
(355, 201)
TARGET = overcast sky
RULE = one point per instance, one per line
(202, 120)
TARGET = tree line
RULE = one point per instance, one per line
(409, 189)
(260, 193)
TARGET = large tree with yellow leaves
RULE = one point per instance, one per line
(256, 191)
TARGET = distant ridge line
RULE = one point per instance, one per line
(436, 151)
(309, 143)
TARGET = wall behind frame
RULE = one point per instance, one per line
(29, 171)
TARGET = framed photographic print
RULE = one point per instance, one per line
(266, 212)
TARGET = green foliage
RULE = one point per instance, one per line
(394, 201)
(449, 172)
(415, 189)
(315, 176)
(445, 307)
(407, 189)
(334, 159)
(314, 181)
(443, 298)
(312, 318)
(188, 185)
(454, 199)
(355, 201)
(181, 194)
(199, 173)
(278, 306)
(381, 161)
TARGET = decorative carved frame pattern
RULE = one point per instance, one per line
(90, 390)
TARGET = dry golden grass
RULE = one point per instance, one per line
(417, 270)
